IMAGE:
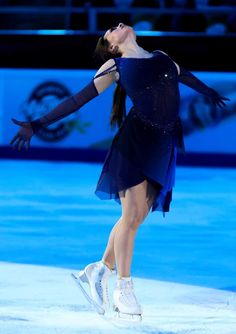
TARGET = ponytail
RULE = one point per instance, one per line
(118, 113)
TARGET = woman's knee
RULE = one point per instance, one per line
(133, 219)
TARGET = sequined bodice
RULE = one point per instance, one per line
(152, 85)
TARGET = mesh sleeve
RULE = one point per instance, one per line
(70, 104)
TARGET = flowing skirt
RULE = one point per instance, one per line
(138, 153)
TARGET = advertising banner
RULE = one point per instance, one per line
(28, 94)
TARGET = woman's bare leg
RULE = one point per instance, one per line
(134, 210)
(135, 207)
(141, 196)
(109, 254)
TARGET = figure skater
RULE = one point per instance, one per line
(139, 168)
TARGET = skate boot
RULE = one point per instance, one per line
(96, 275)
(125, 303)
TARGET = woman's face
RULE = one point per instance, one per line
(117, 35)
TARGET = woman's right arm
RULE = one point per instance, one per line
(104, 77)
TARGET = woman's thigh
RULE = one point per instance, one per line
(137, 201)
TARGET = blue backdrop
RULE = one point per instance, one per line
(31, 93)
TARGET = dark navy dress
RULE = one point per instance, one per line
(145, 146)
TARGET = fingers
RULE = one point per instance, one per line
(17, 122)
(224, 98)
(219, 101)
(27, 145)
(16, 143)
(22, 137)
(20, 142)
(14, 139)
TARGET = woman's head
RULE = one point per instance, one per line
(112, 43)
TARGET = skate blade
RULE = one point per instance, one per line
(126, 319)
(81, 278)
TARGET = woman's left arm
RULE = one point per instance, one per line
(190, 80)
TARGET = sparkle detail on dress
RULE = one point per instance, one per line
(145, 146)
(165, 128)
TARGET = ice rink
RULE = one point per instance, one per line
(52, 224)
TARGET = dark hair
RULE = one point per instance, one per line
(102, 54)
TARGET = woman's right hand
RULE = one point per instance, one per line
(23, 136)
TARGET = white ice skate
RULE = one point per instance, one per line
(96, 275)
(126, 307)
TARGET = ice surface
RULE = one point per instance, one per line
(51, 224)
(38, 299)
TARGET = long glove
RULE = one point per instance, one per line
(188, 79)
(63, 109)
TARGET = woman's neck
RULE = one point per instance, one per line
(132, 49)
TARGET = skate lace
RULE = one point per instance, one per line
(128, 291)
(101, 285)
(102, 281)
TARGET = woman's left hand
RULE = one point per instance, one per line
(218, 100)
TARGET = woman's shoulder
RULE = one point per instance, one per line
(160, 52)
(108, 64)
(106, 68)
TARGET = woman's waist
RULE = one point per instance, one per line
(167, 123)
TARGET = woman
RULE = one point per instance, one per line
(139, 169)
